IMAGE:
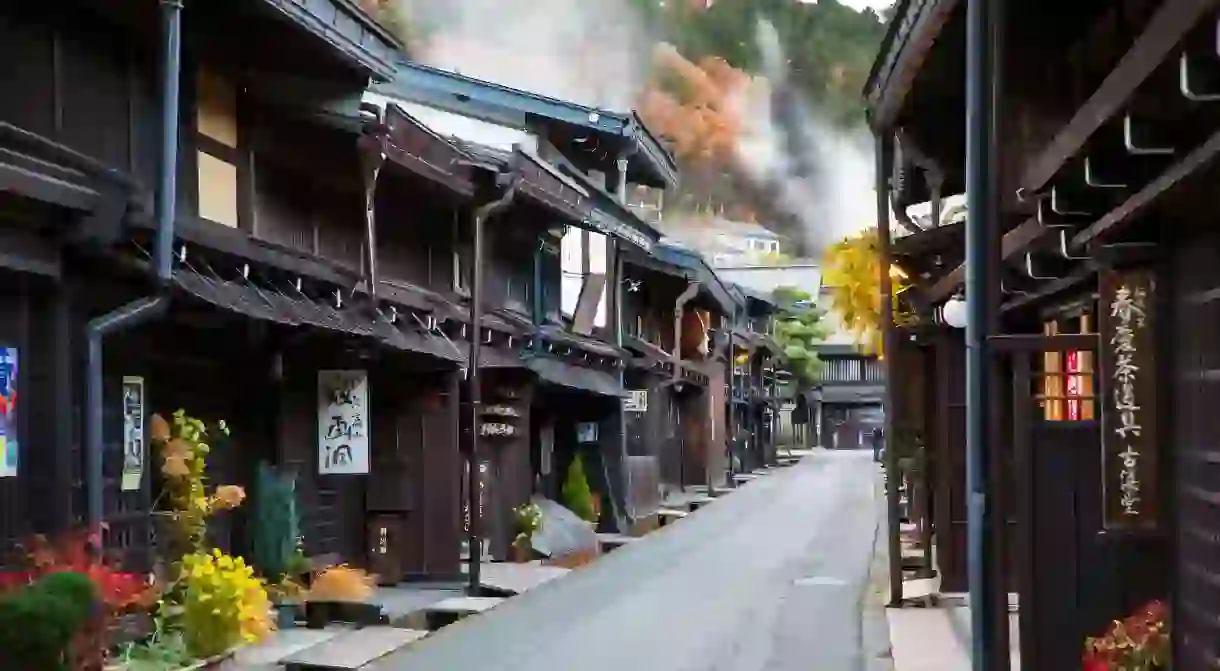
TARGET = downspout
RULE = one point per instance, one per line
(732, 407)
(150, 307)
(372, 149)
(623, 517)
(473, 392)
(692, 289)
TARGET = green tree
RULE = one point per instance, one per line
(798, 330)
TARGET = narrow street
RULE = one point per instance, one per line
(774, 577)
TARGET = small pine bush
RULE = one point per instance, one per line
(38, 622)
(577, 496)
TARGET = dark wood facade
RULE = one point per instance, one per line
(1108, 141)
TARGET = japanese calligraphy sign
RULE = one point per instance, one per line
(343, 422)
(1129, 408)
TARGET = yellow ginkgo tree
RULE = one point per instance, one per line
(852, 272)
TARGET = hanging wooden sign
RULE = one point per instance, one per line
(343, 432)
(1130, 459)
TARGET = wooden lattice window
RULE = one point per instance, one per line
(1067, 386)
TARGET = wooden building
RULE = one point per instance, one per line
(673, 307)
(757, 357)
(848, 405)
(271, 250)
(559, 268)
(1105, 276)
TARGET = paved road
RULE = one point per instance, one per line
(775, 577)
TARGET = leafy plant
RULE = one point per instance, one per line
(577, 496)
(37, 626)
(341, 583)
(798, 330)
(63, 564)
(528, 520)
(276, 524)
(163, 650)
(78, 551)
(1140, 642)
(223, 603)
(852, 270)
(183, 448)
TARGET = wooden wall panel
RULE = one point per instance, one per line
(1194, 398)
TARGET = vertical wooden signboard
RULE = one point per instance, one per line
(1130, 459)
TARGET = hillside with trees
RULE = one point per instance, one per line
(711, 61)
(706, 64)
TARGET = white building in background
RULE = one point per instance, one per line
(727, 244)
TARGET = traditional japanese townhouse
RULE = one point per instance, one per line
(189, 229)
(568, 245)
(756, 358)
(676, 410)
(851, 387)
(1093, 351)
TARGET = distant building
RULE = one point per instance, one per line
(729, 244)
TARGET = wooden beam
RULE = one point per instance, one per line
(893, 89)
(1195, 160)
(1066, 342)
(1163, 32)
(1051, 288)
(1013, 242)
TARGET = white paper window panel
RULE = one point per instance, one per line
(597, 252)
(569, 251)
(600, 318)
(569, 293)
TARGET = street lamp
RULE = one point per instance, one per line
(953, 312)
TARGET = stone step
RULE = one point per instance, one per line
(445, 613)
(352, 649)
(266, 654)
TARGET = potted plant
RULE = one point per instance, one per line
(1140, 642)
(341, 594)
(528, 518)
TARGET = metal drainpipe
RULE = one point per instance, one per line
(732, 407)
(692, 289)
(473, 392)
(150, 307)
(620, 193)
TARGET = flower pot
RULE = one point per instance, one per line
(520, 554)
(285, 616)
(320, 613)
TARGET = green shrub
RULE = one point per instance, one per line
(577, 496)
(37, 623)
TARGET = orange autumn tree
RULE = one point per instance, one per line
(690, 106)
(694, 107)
